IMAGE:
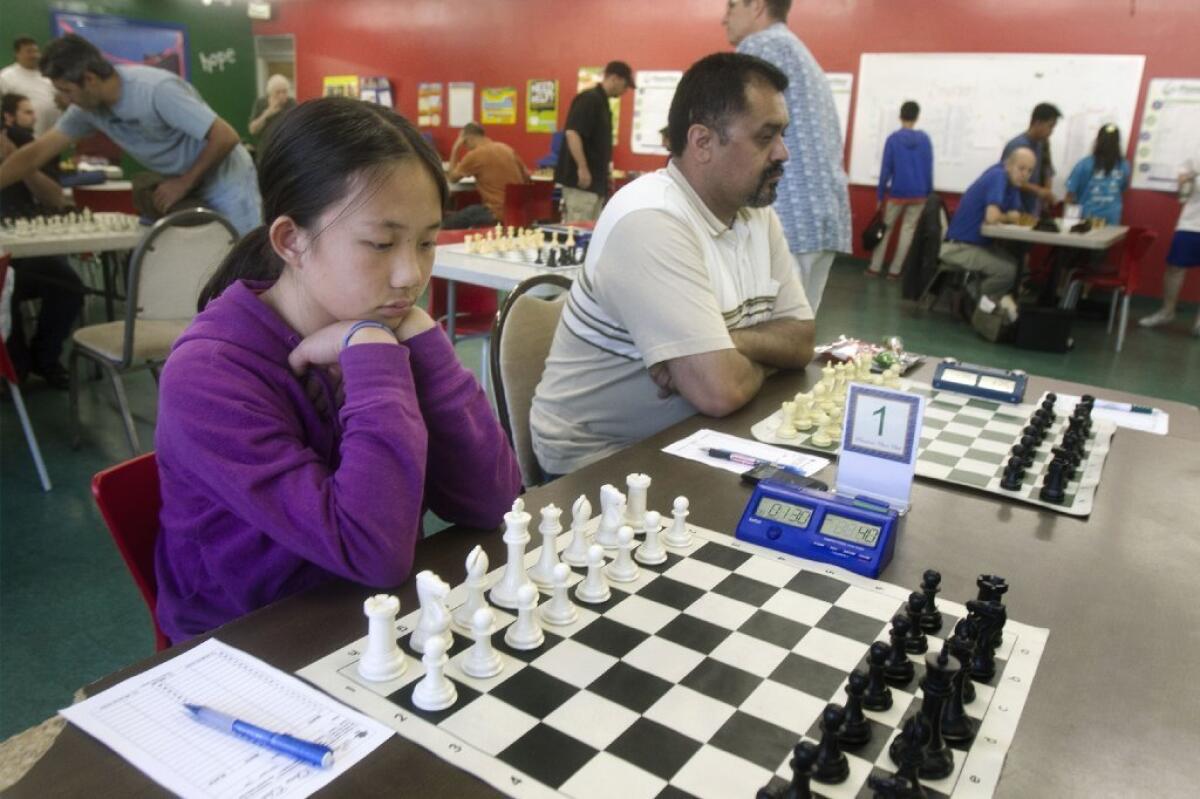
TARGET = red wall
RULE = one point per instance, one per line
(506, 42)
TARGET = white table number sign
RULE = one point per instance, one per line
(879, 445)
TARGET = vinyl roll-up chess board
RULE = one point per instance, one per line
(965, 441)
(697, 679)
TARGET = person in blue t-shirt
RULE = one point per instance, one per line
(1035, 191)
(905, 179)
(991, 199)
(1098, 180)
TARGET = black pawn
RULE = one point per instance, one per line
(908, 753)
(538, 260)
(931, 616)
(831, 766)
(957, 726)
(552, 258)
(964, 640)
(804, 756)
(1052, 484)
(1014, 471)
(856, 730)
(915, 643)
(877, 695)
(898, 670)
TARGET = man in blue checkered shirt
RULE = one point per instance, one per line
(813, 201)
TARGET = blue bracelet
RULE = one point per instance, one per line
(357, 326)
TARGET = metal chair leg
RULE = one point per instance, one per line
(485, 377)
(1071, 295)
(1123, 322)
(126, 415)
(1112, 310)
(155, 372)
(30, 438)
(76, 424)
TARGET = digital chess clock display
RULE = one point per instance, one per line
(851, 530)
(777, 511)
(964, 378)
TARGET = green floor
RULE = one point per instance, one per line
(69, 612)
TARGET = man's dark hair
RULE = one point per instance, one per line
(474, 129)
(713, 91)
(778, 9)
(1044, 112)
(21, 41)
(69, 57)
(909, 111)
(10, 102)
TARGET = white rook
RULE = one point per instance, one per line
(383, 659)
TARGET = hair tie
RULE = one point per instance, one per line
(357, 326)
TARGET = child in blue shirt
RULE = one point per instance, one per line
(1098, 180)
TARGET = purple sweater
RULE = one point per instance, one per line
(264, 496)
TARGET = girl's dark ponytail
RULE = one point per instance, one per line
(252, 258)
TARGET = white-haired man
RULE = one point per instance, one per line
(268, 110)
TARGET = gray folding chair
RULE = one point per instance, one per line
(167, 271)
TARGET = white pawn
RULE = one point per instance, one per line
(638, 486)
(594, 588)
(891, 377)
(612, 514)
(679, 536)
(434, 691)
(542, 572)
(651, 551)
(525, 632)
(477, 566)
(560, 610)
(822, 438)
(576, 551)
(623, 569)
(482, 660)
(516, 536)
(383, 660)
(434, 621)
(787, 421)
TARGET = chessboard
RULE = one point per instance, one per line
(700, 676)
(546, 248)
(73, 224)
(969, 441)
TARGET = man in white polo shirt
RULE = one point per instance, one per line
(689, 294)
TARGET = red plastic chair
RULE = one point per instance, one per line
(1122, 283)
(9, 373)
(526, 204)
(128, 498)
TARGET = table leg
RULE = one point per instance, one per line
(108, 269)
(451, 308)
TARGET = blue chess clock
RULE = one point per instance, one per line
(1005, 385)
(855, 534)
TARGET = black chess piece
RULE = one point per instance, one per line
(898, 670)
(940, 669)
(992, 588)
(538, 260)
(1014, 472)
(957, 726)
(877, 695)
(831, 766)
(1036, 433)
(804, 757)
(989, 617)
(552, 257)
(907, 749)
(1054, 483)
(964, 640)
(931, 616)
(856, 729)
(915, 643)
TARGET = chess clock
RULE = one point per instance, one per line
(1004, 385)
(856, 534)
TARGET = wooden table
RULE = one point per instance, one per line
(1095, 239)
(1111, 712)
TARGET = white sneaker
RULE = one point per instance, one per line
(1156, 319)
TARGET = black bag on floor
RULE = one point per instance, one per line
(874, 232)
(1045, 329)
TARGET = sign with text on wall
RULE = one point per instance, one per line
(498, 106)
(589, 77)
(1168, 136)
(651, 102)
(340, 86)
(541, 106)
(879, 444)
(429, 105)
(461, 103)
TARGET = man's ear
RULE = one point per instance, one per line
(700, 140)
(288, 240)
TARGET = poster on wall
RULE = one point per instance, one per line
(651, 102)
(498, 106)
(429, 105)
(541, 106)
(589, 77)
(461, 103)
(376, 90)
(129, 41)
(1167, 138)
(841, 84)
(340, 86)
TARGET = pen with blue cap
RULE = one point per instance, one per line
(308, 751)
(750, 460)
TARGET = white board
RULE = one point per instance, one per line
(842, 86)
(973, 103)
(1170, 132)
(462, 104)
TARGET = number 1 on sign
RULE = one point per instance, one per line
(881, 413)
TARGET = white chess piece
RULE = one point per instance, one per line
(542, 572)
(822, 438)
(651, 551)
(891, 377)
(623, 569)
(434, 621)
(516, 536)
(787, 420)
(383, 659)
(482, 660)
(434, 691)
(560, 610)
(612, 514)
(803, 415)
(827, 375)
(576, 551)
(679, 536)
(638, 486)
(476, 583)
(594, 588)
(525, 633)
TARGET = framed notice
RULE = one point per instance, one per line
(498, 106)
(879, 444)
(1170, 121)
(340, 86)
(541, 106)
(429, 105)
(651, 102)
(461, 103)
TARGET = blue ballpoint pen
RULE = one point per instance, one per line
(315, 753)
(750, 460)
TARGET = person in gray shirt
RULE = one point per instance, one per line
(158, 119)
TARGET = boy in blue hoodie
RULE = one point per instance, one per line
(905, 179)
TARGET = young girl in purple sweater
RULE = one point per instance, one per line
(312, 412)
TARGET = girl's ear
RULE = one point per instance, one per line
(288, 240)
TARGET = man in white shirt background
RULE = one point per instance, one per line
(23, 77)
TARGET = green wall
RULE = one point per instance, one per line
(210, 29)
